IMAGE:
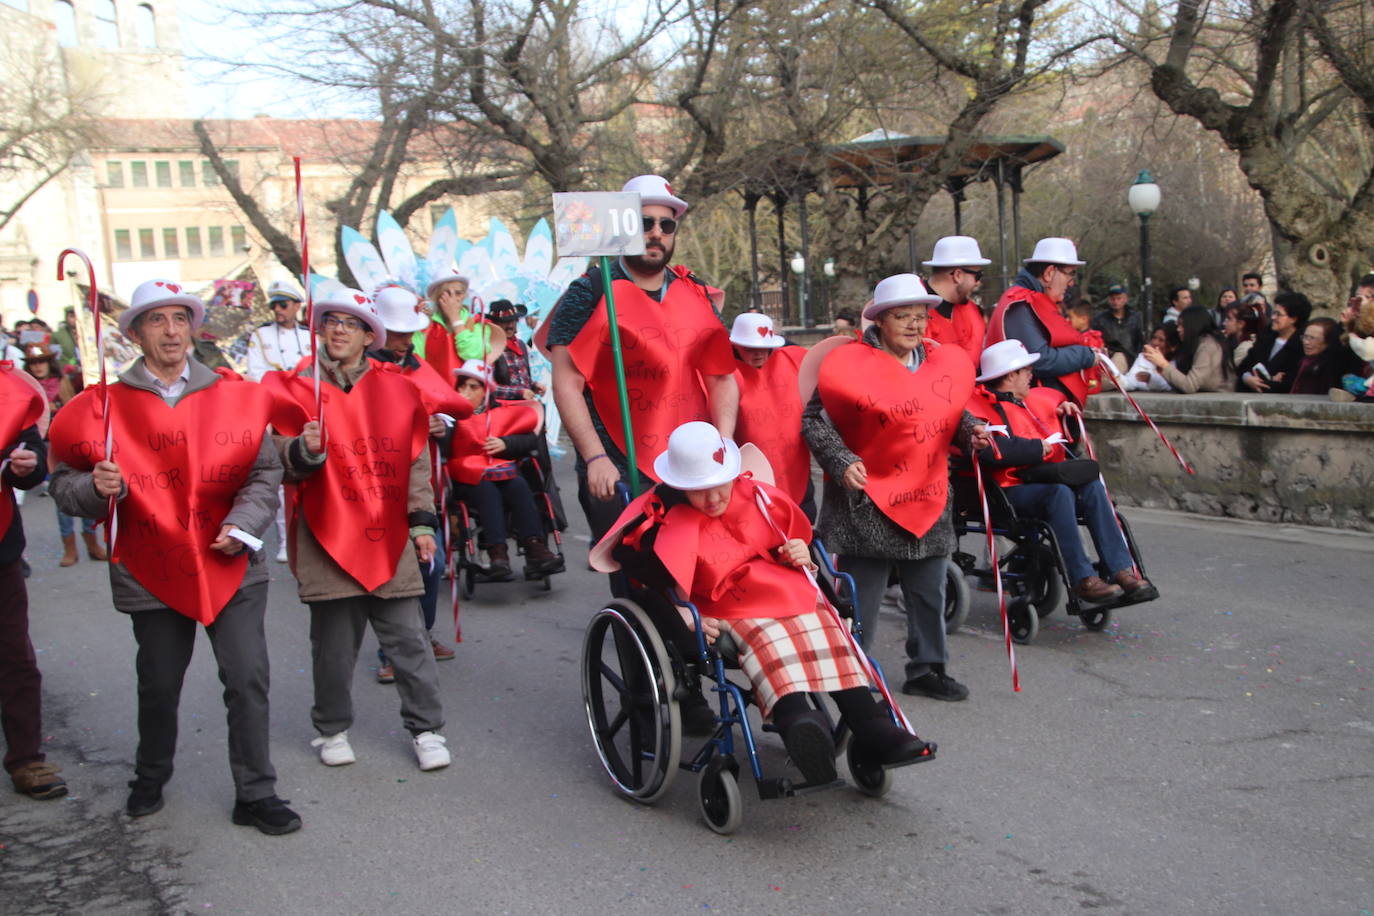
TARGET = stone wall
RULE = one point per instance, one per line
(1294, 459)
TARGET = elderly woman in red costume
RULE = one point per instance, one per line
(737, 547)
(770, 405)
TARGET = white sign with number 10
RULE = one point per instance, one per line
(594, 223)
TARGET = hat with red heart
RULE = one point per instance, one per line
(153, 294)
(754, 331)
(447, 275)
(655, 190)
(473, 368)
(698, 458)
(350, 302)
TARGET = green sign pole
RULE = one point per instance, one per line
(620, 376)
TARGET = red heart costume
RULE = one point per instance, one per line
(184, 465)
(1035, 420)
(1079, 384)
(770, 411)
(964, 328)
(437, 395)
(469, 461)
(356, 504)
(21, 406)
(666, 347)
(900, 423)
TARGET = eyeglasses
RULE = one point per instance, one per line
(667, 224)
(334, 321)
(977, 275)
(908, 318)
(284, 304)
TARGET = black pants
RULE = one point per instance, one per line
(21, 694)
(492, 499)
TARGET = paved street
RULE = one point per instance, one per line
(1211, 753)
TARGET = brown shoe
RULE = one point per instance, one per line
(1093, 589)
(1136, 588)
(94, 549)
(442, 653)
(540, 561)
(68, 551)
(39, 780)
(498, 566)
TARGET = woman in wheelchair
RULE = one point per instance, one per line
(1031, 462)
(737, 548)
(482, 463)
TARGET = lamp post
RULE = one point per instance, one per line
(803, 297)
(1143, 197)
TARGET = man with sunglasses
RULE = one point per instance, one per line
(679, 365)
(956, 271)
(283, 341)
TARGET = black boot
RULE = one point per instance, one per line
(806, 734)
(498, 570)
(877, 739)
(540, 561)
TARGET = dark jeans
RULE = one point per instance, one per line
(1059, 505)
(601, 514)
(492, 499)
(21, 694)
(165, 642)
(923, 597)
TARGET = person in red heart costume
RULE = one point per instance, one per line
(192, 466)
(678, 364)
(770, 406)
(404, 317)
(880, 424)
(1033, 417)
(22, 408)
(1029, 312)
(737, 548)
(956, 271)
(362, 514)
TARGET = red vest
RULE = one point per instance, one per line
(1035, 420)
(358, 503)
(184, 466)
(770, 411)
(469, 462)
(900, 423)
(1081, 383)
(964, 328)
(437, 395)
(21, 406)
(666, 347)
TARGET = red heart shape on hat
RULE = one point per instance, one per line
(667, 187)
(158, 283)
(764, 331)
(173, 287)
(719, 455)
(359, 299)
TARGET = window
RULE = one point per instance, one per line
(193, 249)
(114, 174)
(145, 26)
(238, 238)
(170, 249)
(188, 173)
(138, 174)
(64, 16)
(208, 178)
(124, 245)
(146, 250)
(106, 24)
(232, 167)
(163, 170)
(216, 241)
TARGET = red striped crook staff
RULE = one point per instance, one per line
(309, 298)
(1146, 417)
(997, 574)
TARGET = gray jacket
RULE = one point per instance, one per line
(254, 510)
(850, 522)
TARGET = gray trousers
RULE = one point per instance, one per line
(336, 633)
(165, 642)
(923, 594)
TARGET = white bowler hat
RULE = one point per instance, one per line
(957, 251)
(400, 309)
(350, 302)
(1003, 357)
(152, 294)
(899, 289)
(283, 289)
(654, 189)
(474, 368)
(448, 275)
(698, 458)
(754, 331)
(1055, 251)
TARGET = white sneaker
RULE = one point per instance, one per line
(430, 751)
(281, 554)
(335, 751)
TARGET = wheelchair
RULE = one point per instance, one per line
(640, 662)
(1034, 577)
(465, 527)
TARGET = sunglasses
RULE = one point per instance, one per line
(284, 304)
(667, 224)
(977, 275)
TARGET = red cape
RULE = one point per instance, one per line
(770, 411)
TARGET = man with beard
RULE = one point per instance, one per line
(679, 365)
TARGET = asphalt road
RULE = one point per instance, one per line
(1210, 753)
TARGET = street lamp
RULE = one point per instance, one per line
(799, 268)
(1143, 197)
(828, 270)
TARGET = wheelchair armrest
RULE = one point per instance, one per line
(837, 587)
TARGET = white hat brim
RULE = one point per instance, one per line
(373, 323)
(1019, 363)
(977, 262)
(728, 471)
(446, 278)
(771, 342)
(126, 317)
(874, 309)
(419, 322)
(676, 204)
(1061, 262)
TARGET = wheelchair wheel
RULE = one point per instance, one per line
(468, 587)
(627, 691)
(869, 778)
(1045, 586)
(1096, 620)
(956, 596)
(718, 795)
(1023, 621)
(546, 584)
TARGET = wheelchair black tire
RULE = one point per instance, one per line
(1096, 619)
(956, 596)
(871, 779)
(719, 798)
(1023, 621)
(639, 770)
(468, 586)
